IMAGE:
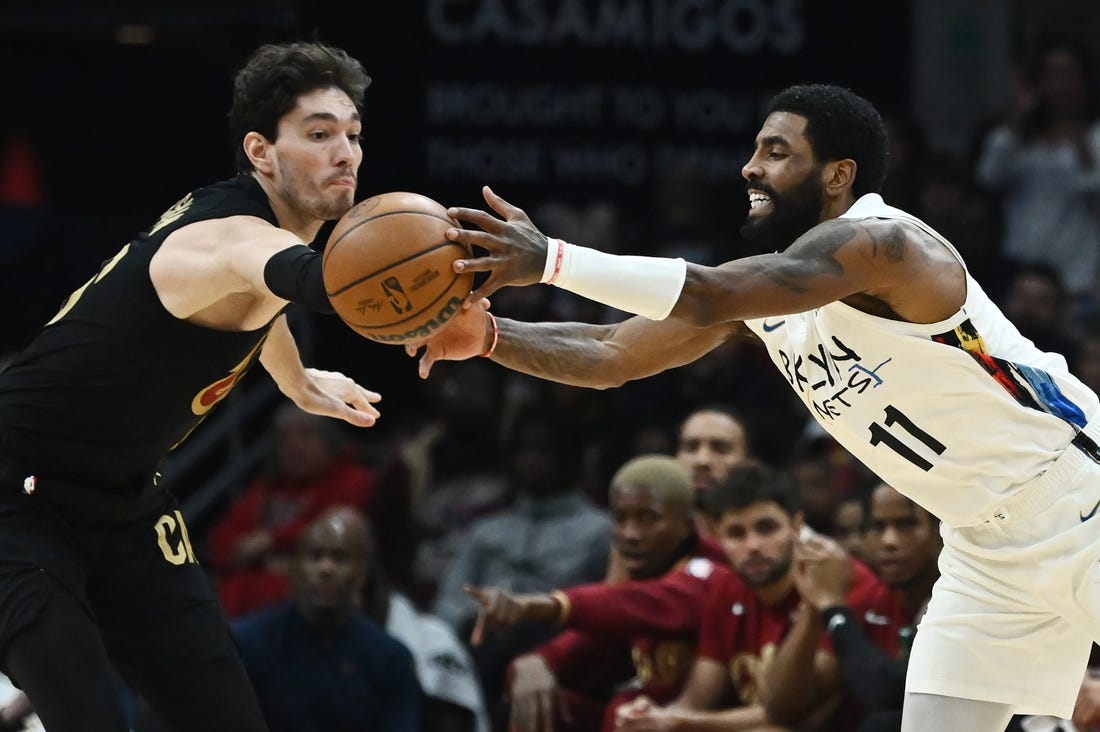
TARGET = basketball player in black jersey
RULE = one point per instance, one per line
(96, 566)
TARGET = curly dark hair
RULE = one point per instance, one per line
(750, 482)
(840, 124)
(276, 75)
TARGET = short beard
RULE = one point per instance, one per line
(317, 208)
(793, 214)
(777, 572)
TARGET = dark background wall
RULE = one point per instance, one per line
(558, 96)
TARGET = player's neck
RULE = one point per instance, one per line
(304, 226)
(836, 207)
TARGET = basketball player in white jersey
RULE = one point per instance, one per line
(873, 319)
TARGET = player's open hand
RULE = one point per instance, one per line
(467, 334)
(332, 394)
(515, 249)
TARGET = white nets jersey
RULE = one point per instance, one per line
(957, 415)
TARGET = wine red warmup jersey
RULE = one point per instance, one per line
(658, 620)
(742, 633)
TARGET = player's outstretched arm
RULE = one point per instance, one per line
(326, 393)
(891, 261)
(202, 264)
(901, 272)
(580, 354)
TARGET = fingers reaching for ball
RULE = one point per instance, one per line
(515, 248)
(469, 333)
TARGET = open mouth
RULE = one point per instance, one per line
(759, 202)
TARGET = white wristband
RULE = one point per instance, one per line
(555, 251)
(647, 286)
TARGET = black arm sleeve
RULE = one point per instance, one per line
(875, 678)
(294, 274)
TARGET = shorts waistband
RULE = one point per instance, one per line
(80, 500)
(1045, 489)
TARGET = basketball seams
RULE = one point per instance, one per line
(399, 262)
(402, 252)
(420, 312)
(332, 244)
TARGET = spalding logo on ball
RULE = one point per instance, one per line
(387, 268)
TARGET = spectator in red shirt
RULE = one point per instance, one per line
(904, 543)
(311, 469)
(748, 614)
(652, 617)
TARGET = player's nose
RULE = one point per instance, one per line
(345, 151)
(752, 169)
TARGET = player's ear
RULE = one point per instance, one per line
(838, 175)
(258, 149)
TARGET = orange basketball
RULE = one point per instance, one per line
(387, 268)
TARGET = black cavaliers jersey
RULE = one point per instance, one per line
(114, 381)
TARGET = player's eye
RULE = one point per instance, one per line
(355, 138)
(318, 135)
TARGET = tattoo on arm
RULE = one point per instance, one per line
(813, 256)
(892, 242)
(569, 353)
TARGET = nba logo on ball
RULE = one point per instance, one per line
(388, 268)
(398, 299)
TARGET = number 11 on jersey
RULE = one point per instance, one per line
(881, 434)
